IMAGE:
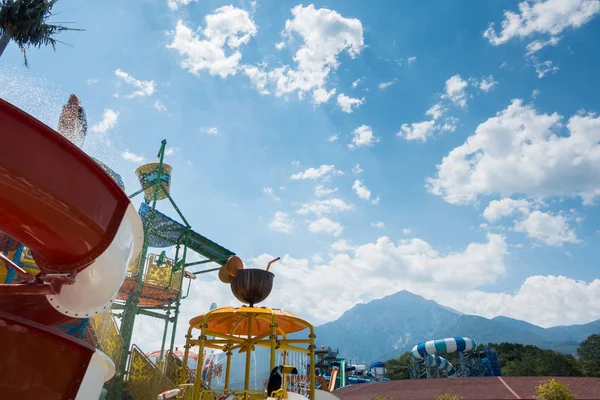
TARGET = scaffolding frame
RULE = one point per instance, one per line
(169, 313)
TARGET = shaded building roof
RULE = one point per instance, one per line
(485, 388)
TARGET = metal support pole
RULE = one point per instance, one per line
(311, 349)
(227, 370)
(178, 303)
(132, 302)
(248, 351)
(164, 339)
(273, 342)
(200, 366)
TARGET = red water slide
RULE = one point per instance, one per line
(57, 201)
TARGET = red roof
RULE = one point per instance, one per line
(487, 388)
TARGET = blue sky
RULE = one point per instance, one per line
(488, 203)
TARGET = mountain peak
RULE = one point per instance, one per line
(387, 327)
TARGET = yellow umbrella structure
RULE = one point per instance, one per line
(242, 329)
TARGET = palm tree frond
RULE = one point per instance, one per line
(26, 23)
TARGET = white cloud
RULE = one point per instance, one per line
(321, 95)
(537, 45)
(552, 230)
(322, 191)
(363, 137)
(550, 17)
(317, 258)
(281, 222)
(376, 200)
(455, 90)
(229, 27)
(92, 81)
(518, 152)
(506, 207)
(375, 270)
(325, 34)
(269, 192)
(357, 170)
(210, 130)
(378, 269)
(332, 138)
(325, 206)
(378, 224)
(549, 229)
(174, 4)
(435, 111)
(346, 103)
(142, 88)
(487, 84)
(535, 93)
(411, 60)
(159, 106)
(542, 300)
(356, 83)
(324, 172)
(325, 225)
(544, 68)
(384, 85)
(170, 151)
(450, 124)
(406, 231)
(109, 121)
(361, 190)
(418, 130)
(134, 158)
(342, 246)
(545, 20)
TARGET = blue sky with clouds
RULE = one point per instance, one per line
(447, 148)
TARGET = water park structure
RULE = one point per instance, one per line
(335, 372)
(79, 263)
(429, 362)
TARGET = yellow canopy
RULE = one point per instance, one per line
(234, 321)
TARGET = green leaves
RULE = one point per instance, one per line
(589, 355)
(527, 360)
(554, 390)
(25, 22)
(398, 368)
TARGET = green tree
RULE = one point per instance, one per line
(554, 390)
(527, 360)
(589, 355)
(398, 368)
(24, 21)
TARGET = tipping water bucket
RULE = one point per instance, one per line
(251, 286)
(148, 176)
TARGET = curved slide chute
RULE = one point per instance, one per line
(441, 364)
(432, 349)
(79, 224)
(443, 346)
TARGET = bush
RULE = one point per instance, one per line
(446, 397)
(554, 390)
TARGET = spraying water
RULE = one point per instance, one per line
(46, 101)
(34, 95)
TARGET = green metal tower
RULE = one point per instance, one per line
(159, 231)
